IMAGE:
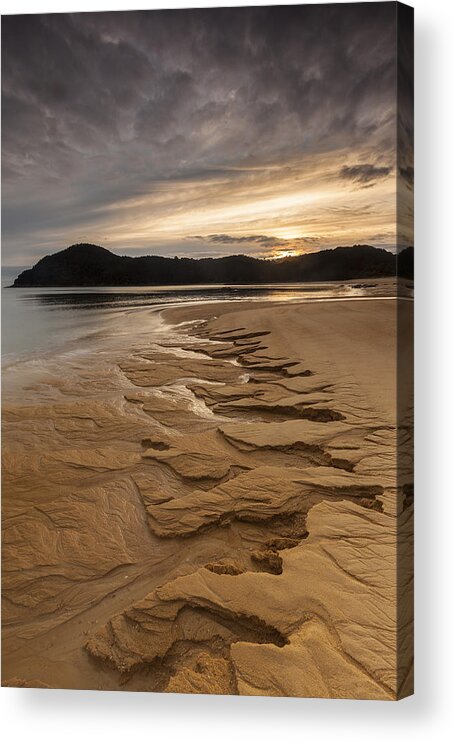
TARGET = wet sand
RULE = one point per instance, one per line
(220, 514)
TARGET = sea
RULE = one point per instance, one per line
(42, 323)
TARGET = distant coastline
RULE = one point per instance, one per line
(92, 265)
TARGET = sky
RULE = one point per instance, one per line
(264, 131)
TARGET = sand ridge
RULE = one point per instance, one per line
(253, 475)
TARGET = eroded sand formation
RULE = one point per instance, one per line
(222, 515)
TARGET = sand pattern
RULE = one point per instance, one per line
(224, 515)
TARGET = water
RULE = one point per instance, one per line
(36, 321)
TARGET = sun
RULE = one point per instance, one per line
(286, 253)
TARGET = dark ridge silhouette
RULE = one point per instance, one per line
(405, 263)
(91, 265)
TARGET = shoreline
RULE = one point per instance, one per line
(31, 328)
(171, 509)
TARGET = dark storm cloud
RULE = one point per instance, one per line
(100, 108)
(407, 173)
(265, 241)
(364, 174)
(228, 239)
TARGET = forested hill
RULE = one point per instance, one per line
(91, 265)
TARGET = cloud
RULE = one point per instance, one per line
(270, 242)
(103, 109)
(407, 173)
(364, 174)
(228, 239)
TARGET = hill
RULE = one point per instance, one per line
(91, 265)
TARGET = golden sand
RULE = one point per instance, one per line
(249, 534)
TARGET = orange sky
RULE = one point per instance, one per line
(266, 131)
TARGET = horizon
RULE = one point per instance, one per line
(11, 269)
(264, 131)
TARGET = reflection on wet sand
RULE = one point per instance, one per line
(207, 501)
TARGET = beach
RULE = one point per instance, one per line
(220, 511)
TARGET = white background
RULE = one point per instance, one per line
(76, 715)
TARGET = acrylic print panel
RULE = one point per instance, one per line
(207, 350)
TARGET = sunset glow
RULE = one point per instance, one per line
(173, 155)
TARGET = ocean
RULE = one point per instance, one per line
(58, 329)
